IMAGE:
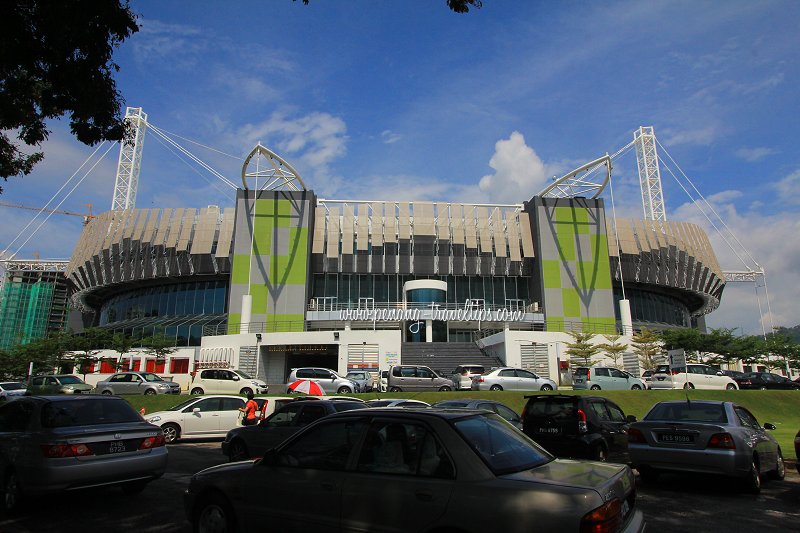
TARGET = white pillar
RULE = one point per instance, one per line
(247, 306)
(625, 317)
(429, 331)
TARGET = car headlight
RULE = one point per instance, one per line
(163, 386)
(154, 419)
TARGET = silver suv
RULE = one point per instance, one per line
(413, 378)
(330, 381)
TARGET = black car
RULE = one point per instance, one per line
(766, 380)
(587, 427)
(253, 441)
(503, 410)
(735, 374)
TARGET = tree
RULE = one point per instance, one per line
(88, 345)
(159, 345)
(687, 339)
(647, 345)
(57, 59)
(121, 344)
(582, 348)
(457, 6)
(613, 348)
(782, 346)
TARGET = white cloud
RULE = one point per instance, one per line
(751, 155)
(789, 188)
(703, 136)
(390, 137)
(519, 171)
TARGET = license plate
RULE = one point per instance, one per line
(671, 437)
(578, 380)
(550, 431)
(116, 446)
(662, 378)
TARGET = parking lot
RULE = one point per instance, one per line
(676, 504)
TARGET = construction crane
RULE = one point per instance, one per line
(86, 216)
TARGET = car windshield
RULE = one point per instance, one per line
(183, 404)
(581, 371)
(348, 406)
(88, 412)
(452, 403)
(662, 369)
(151, 377)
(245, 375)
(688, 411)
(502, 447)
(355, 375)
(70, 380)
(12, 386)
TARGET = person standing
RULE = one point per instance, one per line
(249, 410)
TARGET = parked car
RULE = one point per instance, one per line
(267, 406)
(413, 378)
(606, 378)
(587, 427)
(362, 378)
(463, 374)
(11, 389)
(382, 470)
(225, 381)
(397, 402)
(647, 375)
(57, 384)
(57, 443)
(199, 417)
(699, 377)
(705, 436)
(136, 383)
(330, 381)
(735, 374)
(506, 378)
(765, 380)
(505, 412)
(383, 385)
(252, 441)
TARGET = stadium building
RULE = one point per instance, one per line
(287, 279)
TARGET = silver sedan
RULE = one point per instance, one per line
(506, 378)
(705, 436)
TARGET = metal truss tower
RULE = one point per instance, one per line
(649, 175)
(130, 160)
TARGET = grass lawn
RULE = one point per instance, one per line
(781, 408)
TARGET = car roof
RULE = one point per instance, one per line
(571, 396)
(433, 412)
(74, 397)
(702, 402)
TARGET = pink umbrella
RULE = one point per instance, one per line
(308, 386)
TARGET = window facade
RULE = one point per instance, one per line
(195, 298)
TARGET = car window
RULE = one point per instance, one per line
(423, 372)
(601, 372)
(507, 413)
(557, 408)
(71, 380)
(152, 377)
(599, 409)
(662, 369)
(323, 373)
(746, 417)
(403, 448)
(52, 381)
(88, 412)
(348, 406)
(525, 374)
(616, 413)
(691, 411)
(117, 378)
(325, 447)
(581, 371)
(37, 381)
(208, 374)
(488, 406)
(15, 416)
(205, 406)
(231, 404)
(13, 386)
(309, 414)
(615, 373)
(502, 447)
(408, 371)
(710, 370)
(135, 378)
(284, 417)
(304, 373)
(508, 373)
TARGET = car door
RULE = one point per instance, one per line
(402, 482)
(527, 380)
(601, 377)
(117, 384)
(618, 451)
(607, 428)
(272, 431)
(201, 417)
(425, 379)
(326, 380)
(17, 446)
(765, 447)
(229, 414)
(618, 380)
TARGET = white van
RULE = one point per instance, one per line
(224, 381)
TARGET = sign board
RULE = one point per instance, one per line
(677, 358)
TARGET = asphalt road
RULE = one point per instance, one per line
(676, 504)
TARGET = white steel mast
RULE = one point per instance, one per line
(649, 175)
(130, 161)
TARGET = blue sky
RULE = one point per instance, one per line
(407, 100)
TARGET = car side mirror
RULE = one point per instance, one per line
(630, 419)
(720, 373)
(195, 410)
(235, 378)
(769, 426)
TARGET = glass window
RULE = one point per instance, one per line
(599, 409)
(694, 411)
(507, 413)
(284, 417)
(423, 372)
(616, 413)
(15, 416)
(310, 413)
(305, 373)
(747, 418)
(325, 447)
(600, 372)
(403, 448)
(88, 412)
(616, 373)
(205, 406)
(525, 374)
(231, 404)
(507, 373)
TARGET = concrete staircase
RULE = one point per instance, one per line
(444, 357)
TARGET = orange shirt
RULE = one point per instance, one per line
(250, 409)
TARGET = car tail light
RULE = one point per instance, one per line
(721, 440)
(674, 372)
(55, 451)
(636, 436)
(588, 374)
(582, 427)
(605, 519)
(152, 442)
(745, 382)
(479, 379)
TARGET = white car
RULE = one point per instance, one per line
(10, 389)
(225, 381)
(199, 417)
(698, 377)
(512, 379)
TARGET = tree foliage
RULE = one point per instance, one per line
(614, 348)
(158, 345)
(647, 345)
(57, 59)
(581, 348)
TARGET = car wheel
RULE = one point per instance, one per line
(546, 387)
(149, 392)
(730, 386)
(495, 388)
(214, 515)
(245, 391)
(395, 389)
(753, 480)
(444, 388)
(134, 488)
(197, 391)
(107, 392)
(648, 474)
(12, 498)
(238, 451)
(636, 387)
(688, 386)
(599, 453)
(172, 432)
(595, 387)
(780, 468)
(344, 390)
